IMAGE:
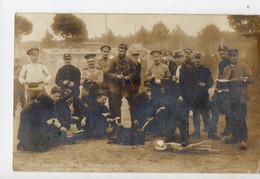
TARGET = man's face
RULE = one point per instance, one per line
(179, 60)
(34, 57)
(196, 62)
(223, 54)
(187, 54)
(102, 100)
(156, 59)
(91, 63)
(84, 92)
(121, 53)
(105, 53)
(55, 97)
(233, 57)
(168, 57)
(135, 58)
(67, 60)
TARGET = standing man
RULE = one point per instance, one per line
(239, 75)
(200, 104)
(91, 73)
(188, 56)
(138, 66)
(34, 75)
(121, 73)
(19, 91)
(68, 76)
(156, 72)
(219, 99)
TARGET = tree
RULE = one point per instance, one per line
(243, 23)
(110, 38)
(159, 32)
(142, 35)
(178, 36)
(209, 37)
(70, 27)
(47, 40)
(22, 27)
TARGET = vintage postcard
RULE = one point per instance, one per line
(113, 93)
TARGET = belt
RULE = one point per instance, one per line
(34, 84)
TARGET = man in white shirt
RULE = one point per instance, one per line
(34, 75)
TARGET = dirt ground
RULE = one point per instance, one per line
(98, 156)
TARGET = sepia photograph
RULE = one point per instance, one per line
(136, 93)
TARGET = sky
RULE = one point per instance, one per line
(124, 24)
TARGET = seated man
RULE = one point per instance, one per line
(97, 118)
(38, 129)
(69, 110)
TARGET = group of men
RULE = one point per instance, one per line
(174, 84)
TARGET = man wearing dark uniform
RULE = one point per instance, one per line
(68, 76)
(138, 66)
(188, 56)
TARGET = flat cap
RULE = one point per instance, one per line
(90, 56)
(33, 50)
(67, 55)
(197, 56)
(232, 52)
(178, 54)
(222, 48)
(188, 50)
(154, 52)
(123, 46)
(105, 47)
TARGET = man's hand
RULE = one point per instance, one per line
(63, 129)
(180, 99)
(106, 114)
(174, 78)
(57, 123)
(50, 121)
(157, 81)
(65, 82)
(202, 84)
(127, 77)
(83, 122)
(71, 84)
(120, 77)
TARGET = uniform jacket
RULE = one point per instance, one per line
(124, 67)
(201, 94)
(238, 89)
(161, 71)
(222, 64)
(71, 73)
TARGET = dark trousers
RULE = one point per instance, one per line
(238, 120)
(204, 111)
(115, 103)
(179, 118)
(220, 104)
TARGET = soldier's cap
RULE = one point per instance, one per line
(33, 50)
(147, 83)
(90, 56)
(197, 56)
(168, 52)
(67, 55)
(232, 52)
(55, 89)
(135, 53)
(178, 54)
(188, 50)
(222, 48)
(156, 52)
(105, 46)
(90, 85)
(123, 46)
